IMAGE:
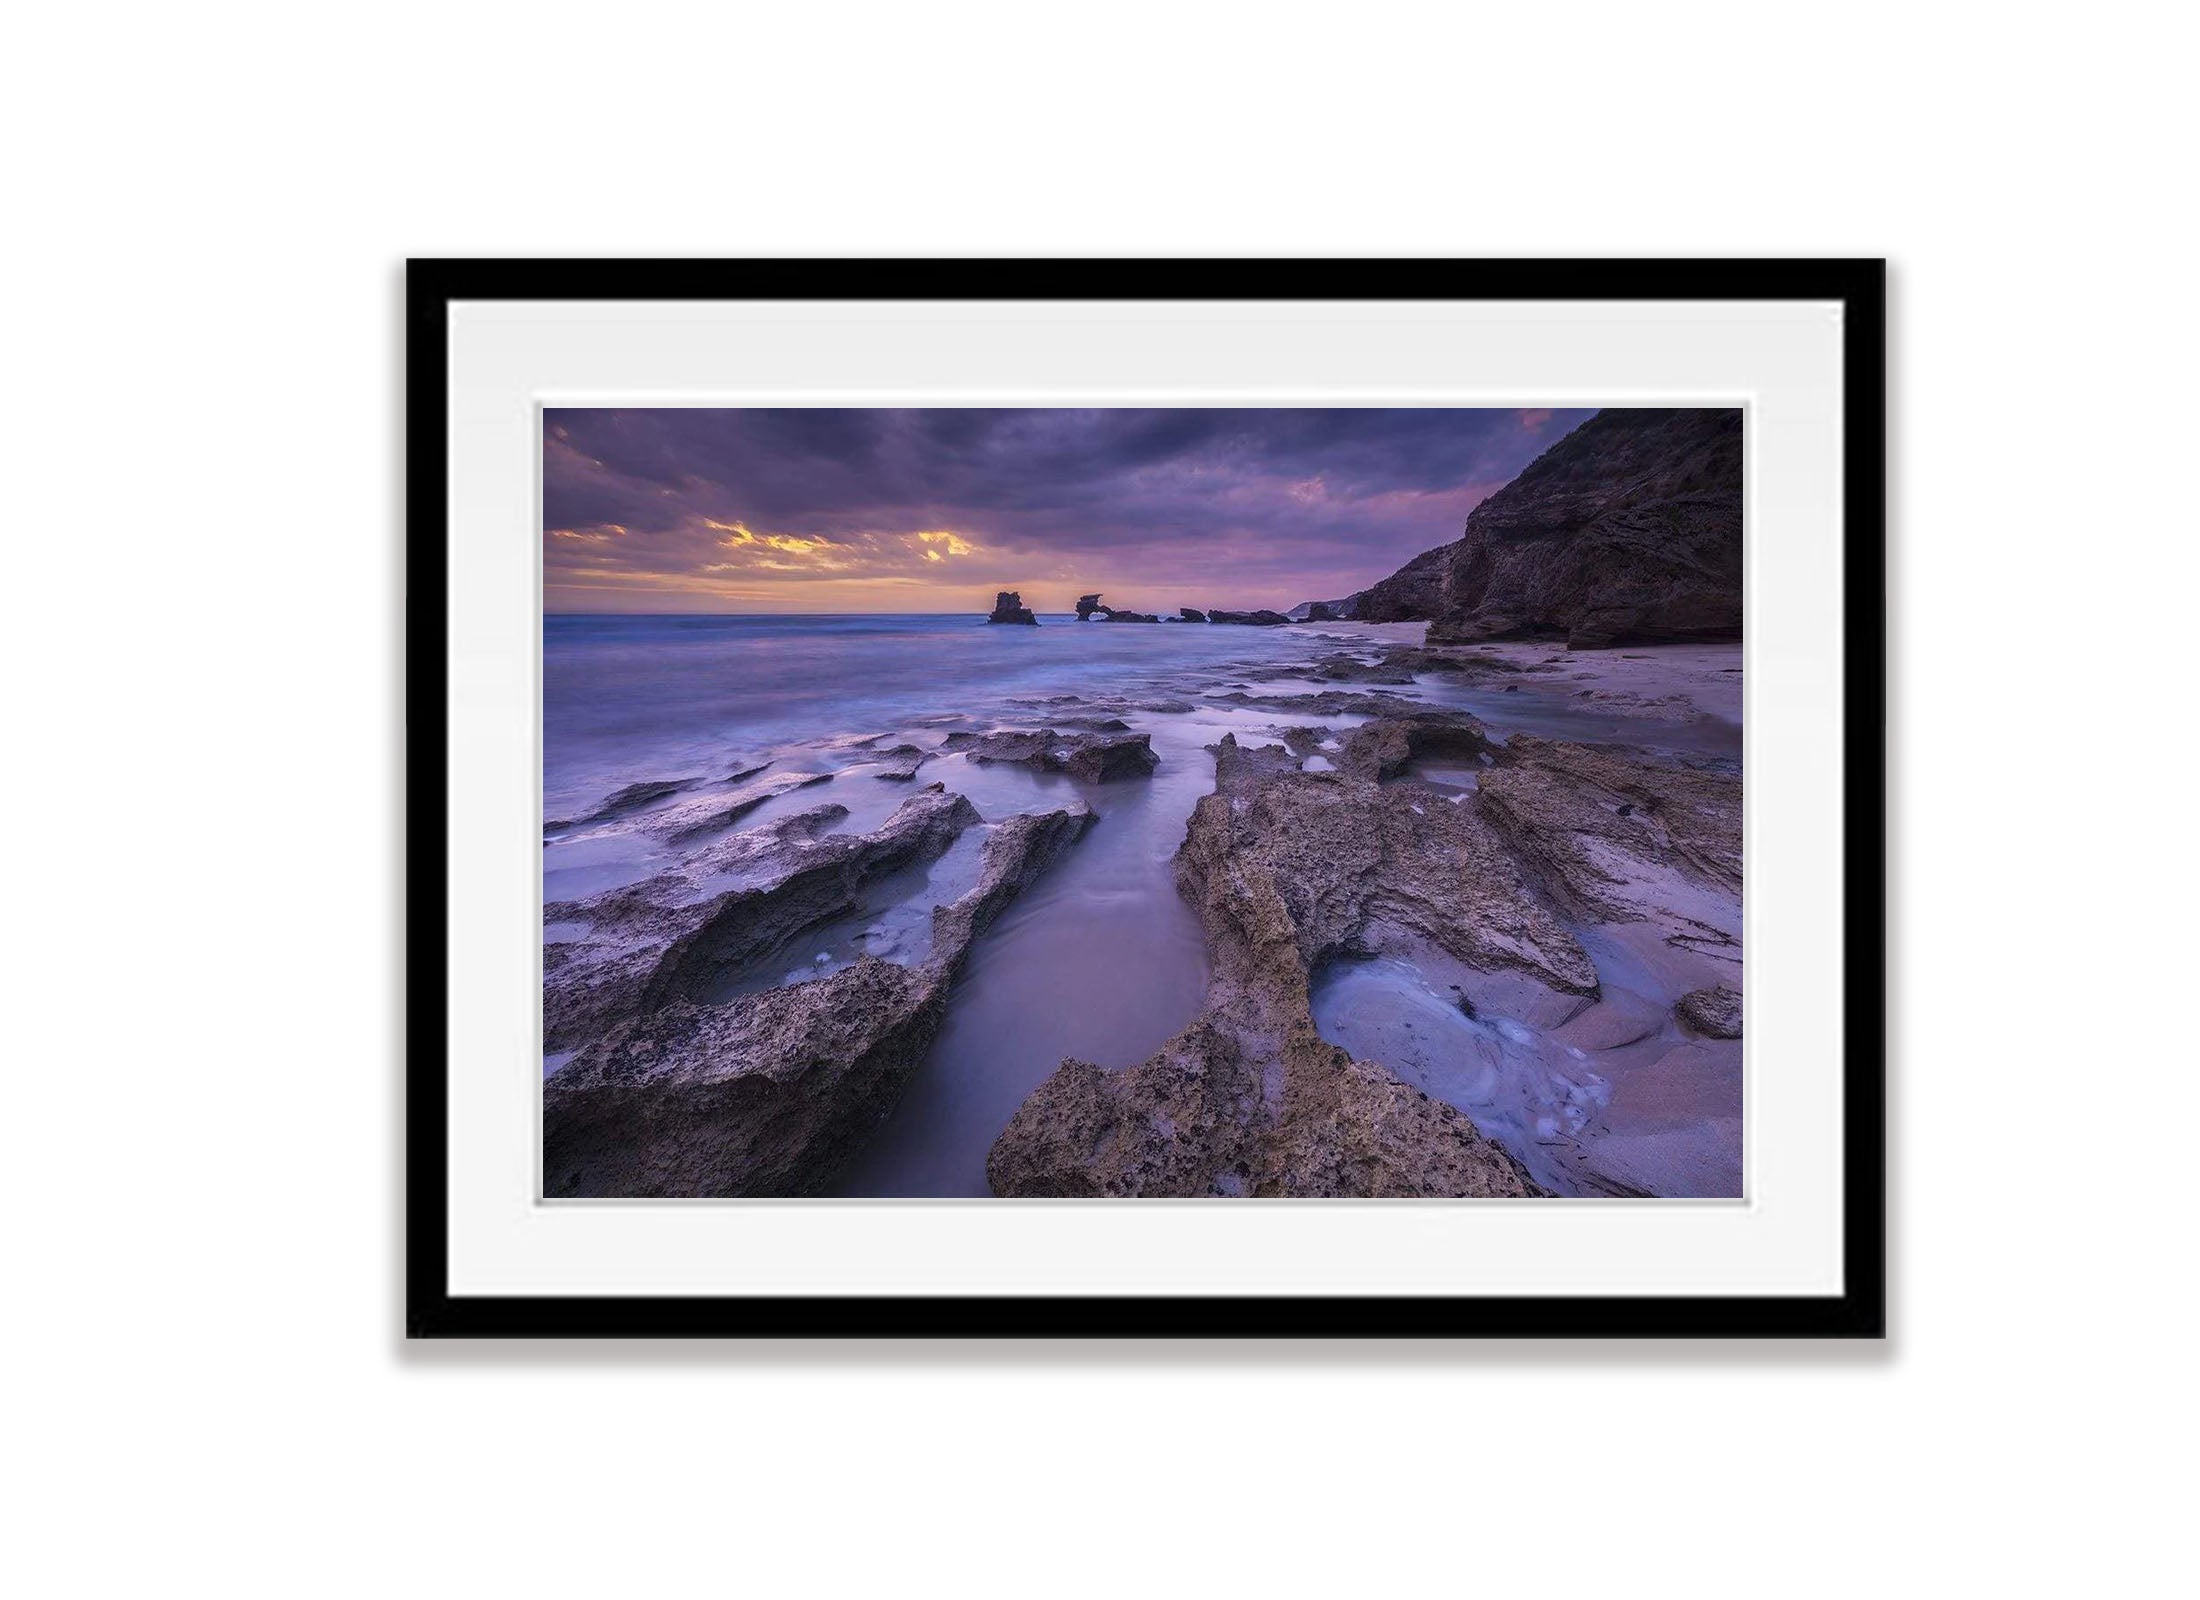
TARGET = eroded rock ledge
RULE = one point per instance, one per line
(1292, 870)
(1094, 757)
(1289, 870)
(769, 1094)
(667, 938)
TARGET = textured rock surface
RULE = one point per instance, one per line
(768, 1094)
(1414, 593)
(900, 763)
(717, 809)
(1290, 870)
(631, 798)
(668, 938)
(1627, 530)
(1618, 837)
(1716, 1013)
(1326, 703)
(1385, 747)
(1212, 1115)
(1008, 606)
(1296, 872)
(1092, 757)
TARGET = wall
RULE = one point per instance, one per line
(209, 206)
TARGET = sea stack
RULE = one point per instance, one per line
(1087, 604)
(1008, 606)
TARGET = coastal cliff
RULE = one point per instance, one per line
(1627, 531)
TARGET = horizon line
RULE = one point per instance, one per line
(956, 613)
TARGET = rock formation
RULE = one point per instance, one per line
(1628, 530)
(1291, 870)
(1385, 747)
(1089, 606)
(1257, 619)
(713, 810)
(770, 1093)
(900, 763)
(1414, 593)
(668, 938)
(1097, 757)
(1190, 614)
(1616, 837)
(1008, 606)
(1716, 1013)
(631, 798)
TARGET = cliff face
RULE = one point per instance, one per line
(1627, 531)
(1414, 593)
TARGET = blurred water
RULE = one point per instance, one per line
(668, 695)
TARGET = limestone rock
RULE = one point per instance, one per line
(1716, 1013)
(1096, 757)
(770, 1093)
(1290, 870)
(1385, 747)
(631, 798)
(900, 764)
(668, 938)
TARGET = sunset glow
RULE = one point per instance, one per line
(791, 511)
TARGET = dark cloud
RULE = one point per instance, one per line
(831, 509)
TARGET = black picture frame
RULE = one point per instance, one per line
(1859, 1311)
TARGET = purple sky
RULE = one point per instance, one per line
(877, 510)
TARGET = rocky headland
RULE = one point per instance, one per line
(1626, 531)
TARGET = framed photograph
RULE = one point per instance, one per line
(1150, 798)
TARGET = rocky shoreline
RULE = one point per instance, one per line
(1295, 871)
(1445, 959)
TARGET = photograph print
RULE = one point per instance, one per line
(1142, 803)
